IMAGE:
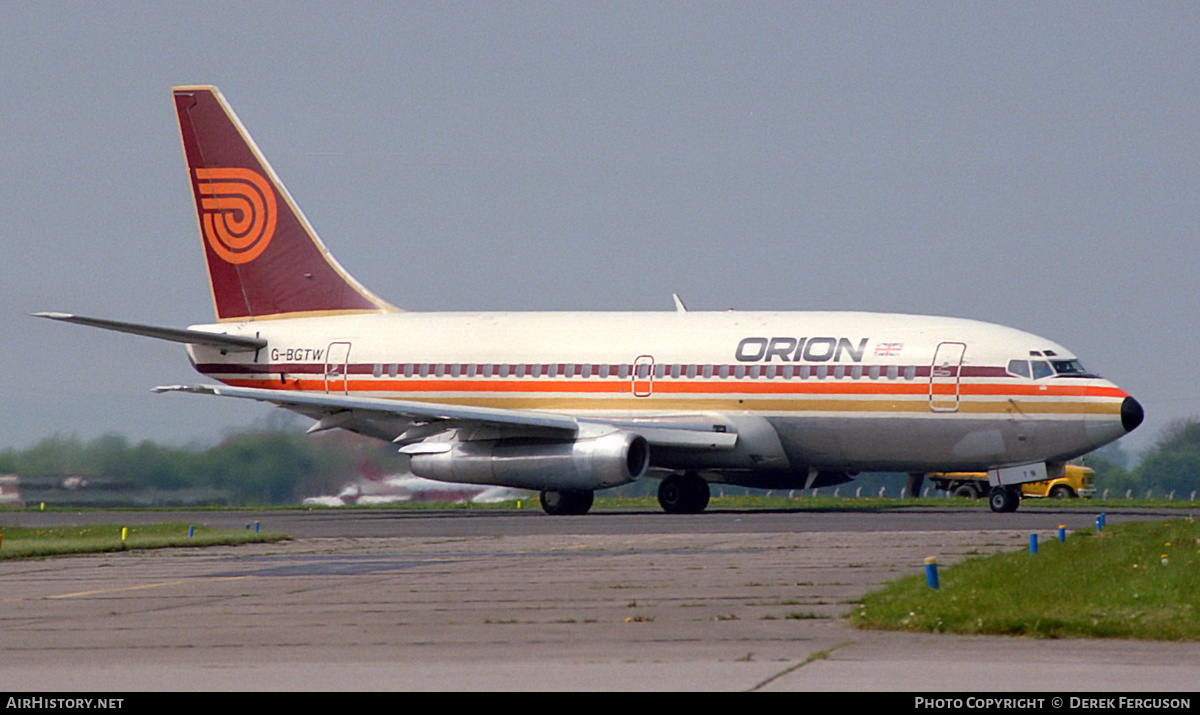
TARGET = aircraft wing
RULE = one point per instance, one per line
(408, 422)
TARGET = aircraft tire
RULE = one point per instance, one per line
(1004, 500)
(683, 494)
(566, 503)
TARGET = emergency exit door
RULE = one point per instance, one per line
(643, 376)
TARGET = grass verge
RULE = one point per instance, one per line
(24, 543)
(1136, 580)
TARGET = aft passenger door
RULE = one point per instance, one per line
(944, 385)
(337, 363)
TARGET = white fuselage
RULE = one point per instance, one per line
(848, 391)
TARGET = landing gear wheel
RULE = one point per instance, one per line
(566, 503)
(683, 494)
(1004, 499)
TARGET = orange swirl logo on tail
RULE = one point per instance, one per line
(237, 212)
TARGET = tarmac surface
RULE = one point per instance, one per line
(516, 600)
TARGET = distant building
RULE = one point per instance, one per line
(10, 494)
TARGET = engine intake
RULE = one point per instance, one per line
(584, 464)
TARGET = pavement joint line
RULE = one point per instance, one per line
(813, 657)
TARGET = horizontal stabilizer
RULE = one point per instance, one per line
(228, 343)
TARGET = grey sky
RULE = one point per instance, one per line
(1034, 165)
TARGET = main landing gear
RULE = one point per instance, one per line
(566, 503)
(683, 494)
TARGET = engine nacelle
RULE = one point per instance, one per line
(584, 464)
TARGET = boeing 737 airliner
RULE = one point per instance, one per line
(570, 403)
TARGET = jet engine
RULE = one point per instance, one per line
(583, 464)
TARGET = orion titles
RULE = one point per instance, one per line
(807, 349)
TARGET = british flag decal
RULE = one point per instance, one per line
(888, 349)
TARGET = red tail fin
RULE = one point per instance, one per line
(264, 260)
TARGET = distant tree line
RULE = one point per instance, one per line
(1171, 466)
(270, 467)
(282, 465)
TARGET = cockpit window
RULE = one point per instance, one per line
(1019, 368)
(1044, 368)
(1070, 368)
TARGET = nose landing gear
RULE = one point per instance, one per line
(1004, 499)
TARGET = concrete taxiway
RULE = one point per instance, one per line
(368, 600)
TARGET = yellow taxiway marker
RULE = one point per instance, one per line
(78, 594)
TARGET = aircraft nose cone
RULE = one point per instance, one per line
(1131, 414)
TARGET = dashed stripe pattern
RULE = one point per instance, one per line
(851, 389)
